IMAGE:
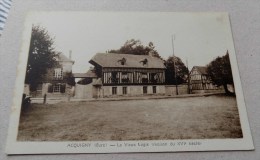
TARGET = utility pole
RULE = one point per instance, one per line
(189, 90)
(175, 74)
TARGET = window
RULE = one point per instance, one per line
(56, 88)
(144, 89)
(123, 61)
(153, 77)
(114, 90)
(144, 78)
(58, 74)
(154, 89)
(124, 90)
(145, 61)
(114, 77)
(125, 78)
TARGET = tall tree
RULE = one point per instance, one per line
(220, 72)
(41, 56)
(135, 47)
(180, 68)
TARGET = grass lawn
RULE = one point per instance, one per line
(156, 119)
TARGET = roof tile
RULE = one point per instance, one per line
(131, 61)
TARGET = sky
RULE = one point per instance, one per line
(199, 37)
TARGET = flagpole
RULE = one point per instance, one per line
(175, 77)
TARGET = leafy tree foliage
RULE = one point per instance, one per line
(180, 68)
(69, 79)
(135, 47)
(220, 71)
(41, 56)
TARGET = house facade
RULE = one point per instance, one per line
(127, 75)
(54, 83)
(200, 80)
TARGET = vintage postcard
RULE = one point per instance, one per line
(106, 82)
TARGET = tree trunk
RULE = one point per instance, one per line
(227, 91)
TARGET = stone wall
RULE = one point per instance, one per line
(170, 90)
(132, 90)
(83, 91)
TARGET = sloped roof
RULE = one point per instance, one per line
(131, 61)
(97, 82)
(201, 69)
(62, 57)
(89, 74)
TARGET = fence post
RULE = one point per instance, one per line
(68, 97)
(44, 98)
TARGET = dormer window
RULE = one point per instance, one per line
(145, 62)
(122, 61)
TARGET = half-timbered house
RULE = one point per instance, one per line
(200, 80)
(125, 74)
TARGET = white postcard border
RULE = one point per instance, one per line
(15, 147)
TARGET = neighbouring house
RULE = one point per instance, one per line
(123, 74)
(200, 80)
(55, 82)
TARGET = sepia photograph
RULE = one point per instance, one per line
(129, 77)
